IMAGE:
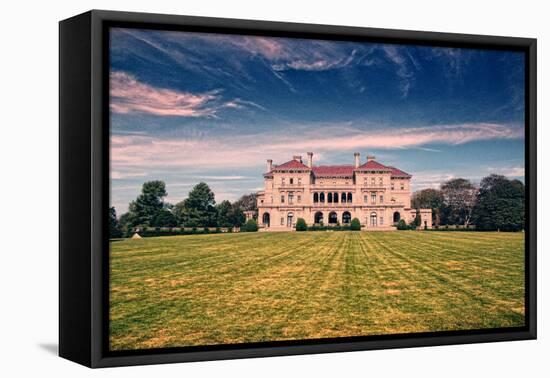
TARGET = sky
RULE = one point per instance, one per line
(190, 107)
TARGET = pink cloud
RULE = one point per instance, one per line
(251, 151)
(128, 95)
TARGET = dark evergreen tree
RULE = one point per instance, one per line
(500, 204)
(164, 218)
(250, 226)
(114, 227)
(236, 216)
(198, 209)
(301, 224)
(148, 204)
(355, 225)
(224, 210)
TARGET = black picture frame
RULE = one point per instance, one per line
(84, 187)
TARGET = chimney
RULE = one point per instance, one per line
(310, 159)
(356, 154)
(370, 157)
(269, 165)
(297, 158)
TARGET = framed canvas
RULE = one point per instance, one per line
(234, 188)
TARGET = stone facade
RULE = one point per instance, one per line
(378, 195)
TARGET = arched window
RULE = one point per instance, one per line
(373, 219)
(321, 197)
(346, 217)
(396, 217)
(266, 219)
(315, 197)
(329, 198)
(335, 197)
(343, 197)
(349, 197)
(332, 218)
(318, 217)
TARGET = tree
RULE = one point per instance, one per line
(236, 216)
(459, 199)
(402, 225)
(164, 218)
(148, 204)
(429, 199)
(247, 202)
(250, 226)
(224, 210)
(500, 204)
(417, 221)
(301, 224)
(114, 227)
(198, 209)
(355, 225)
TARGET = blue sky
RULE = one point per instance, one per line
(191, 107)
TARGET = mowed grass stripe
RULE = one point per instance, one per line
(235, 288)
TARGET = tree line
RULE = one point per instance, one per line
(497, 204)
(199, 209)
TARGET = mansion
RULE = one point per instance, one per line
(376, 194)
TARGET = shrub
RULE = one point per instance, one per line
(402, 225)
(301, 224)
(355, 225)
(250, 226)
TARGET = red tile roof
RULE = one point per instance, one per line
(398, 172)
(292, 164)
(339, 170)
(333, 170)
(373, 165)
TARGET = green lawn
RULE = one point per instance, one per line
(250, 287)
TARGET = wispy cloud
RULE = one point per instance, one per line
(405, 66)
(128, 95)
(515, 171)
(316, 64)
(252, 150)
(430, 179)
(117, 175)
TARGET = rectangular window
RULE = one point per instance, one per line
(365, 182)
(402, 186)
(392, 186)
(299, 199)
(381, 181)
(283, 181)
(366, 199)
(299, 181)
(291, 181)
(282, 199)
(372, 182)
(282, 221)
(290, 197)
(373, 198)
(381, 199)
